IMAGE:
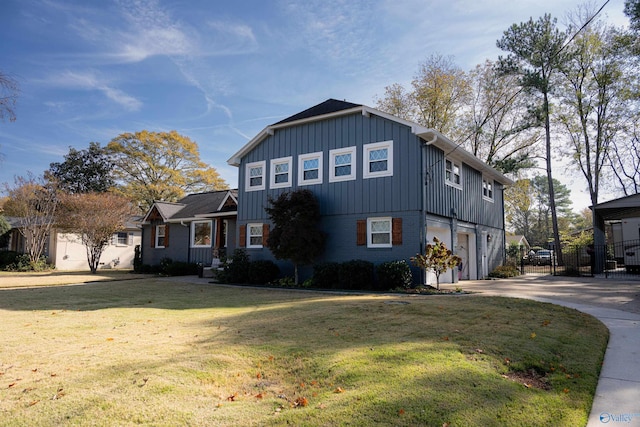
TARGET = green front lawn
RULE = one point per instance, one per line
(162, 352)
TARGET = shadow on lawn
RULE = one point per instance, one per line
(153, 293)
(306, 336)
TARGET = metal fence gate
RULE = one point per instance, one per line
(620, 260)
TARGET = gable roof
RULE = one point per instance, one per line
(335, 108)
(196, 206)
(517, 238)
(326, 107)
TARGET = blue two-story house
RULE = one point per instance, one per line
(386, 188)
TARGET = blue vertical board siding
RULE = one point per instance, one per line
(398, 193)
(397, 196)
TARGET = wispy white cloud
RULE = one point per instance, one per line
(339, 30)
(91, 81)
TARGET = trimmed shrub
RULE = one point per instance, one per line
(7, 258)
(236, 270)
(22, 263)
(326, 275)
(394, 274)
(356, 274)
(504, 271)
(180, 268)
(262, 271)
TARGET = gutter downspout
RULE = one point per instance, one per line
(425, 181)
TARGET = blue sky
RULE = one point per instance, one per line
(220, 71)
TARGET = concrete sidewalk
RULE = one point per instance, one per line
(614, 303)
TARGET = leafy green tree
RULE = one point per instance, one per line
(150, 166)
(295, 235)
(482, 110)
(519, 211)
(528, 210)
(437, 258)
(594, 106)
(535, 56)
(84, 171)
(440, 89)
(496, 125)
(632, 10)
(95, 217)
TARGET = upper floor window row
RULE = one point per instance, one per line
(377, 162)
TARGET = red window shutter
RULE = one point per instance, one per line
(396, 231)
(265, 235)
(361, 232)
(153, 236)
(243, 236)
(166, 235)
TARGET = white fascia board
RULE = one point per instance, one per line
(215, 215)
(229, 194)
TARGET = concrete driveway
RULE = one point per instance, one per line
(616, 303)
(606, 293)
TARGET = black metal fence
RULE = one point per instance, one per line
(620, 260)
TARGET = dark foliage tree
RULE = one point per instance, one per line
(295, 235)
(84, 171)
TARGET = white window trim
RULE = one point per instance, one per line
(247, 175)
(193, 234)
(454, 163)
(332, 164)
(272, 173)
(365, 159)
(116, 240)
(370, 243)
(310, 156)
(493, 189)
(164, 227)
(249, 245)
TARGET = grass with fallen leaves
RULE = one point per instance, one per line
(167, 352)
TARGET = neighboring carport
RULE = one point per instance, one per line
(618, 209)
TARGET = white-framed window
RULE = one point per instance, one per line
(487, 189)
(377, 159)
(255, 176)
(201, 234)
(122, 238)
(281, 172)
(254, 235)
(342, 164)
(452, 173)
(379, 232)
(310, 168)
(160, 236)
